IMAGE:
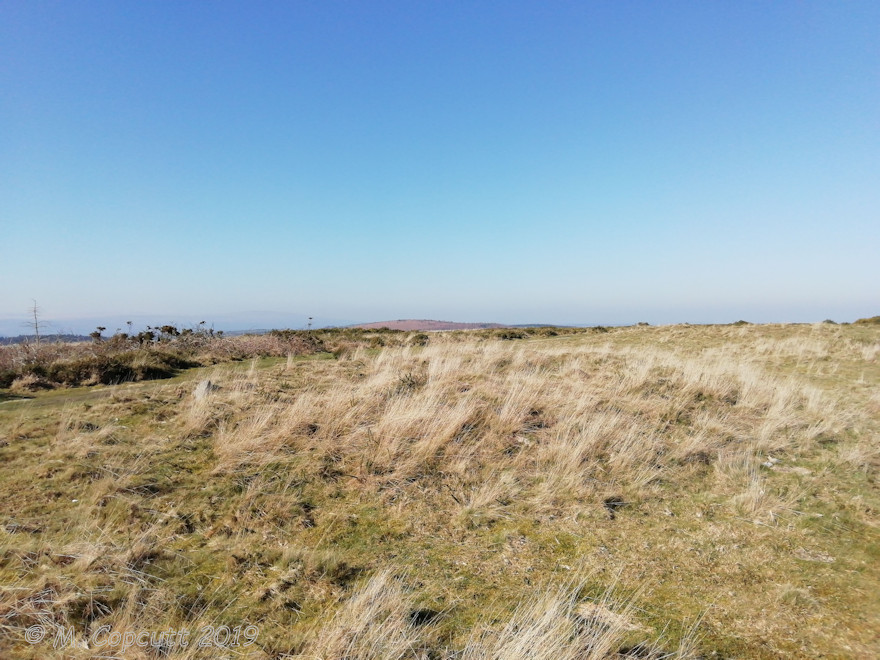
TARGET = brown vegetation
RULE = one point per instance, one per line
(146, 356)
(643, 492)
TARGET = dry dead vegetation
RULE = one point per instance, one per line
(648, 492)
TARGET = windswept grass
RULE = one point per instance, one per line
(642, 492)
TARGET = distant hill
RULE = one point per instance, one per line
(424, 324)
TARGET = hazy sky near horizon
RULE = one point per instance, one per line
(589, 162)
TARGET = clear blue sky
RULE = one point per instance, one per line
(577, 162)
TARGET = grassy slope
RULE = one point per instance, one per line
(719, 475)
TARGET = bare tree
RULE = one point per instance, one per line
(36, 324)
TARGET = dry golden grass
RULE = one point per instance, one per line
(472, 498)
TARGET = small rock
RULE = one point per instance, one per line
(204, 388)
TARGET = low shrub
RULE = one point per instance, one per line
(146, 356)
(420, 339)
